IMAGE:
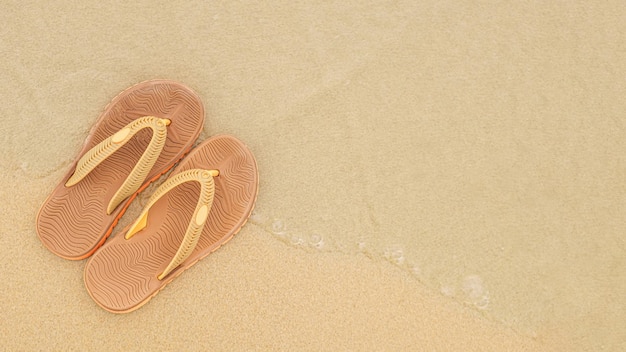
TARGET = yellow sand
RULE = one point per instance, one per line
(434, 176)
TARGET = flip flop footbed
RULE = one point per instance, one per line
(73, 221)
(122, 275)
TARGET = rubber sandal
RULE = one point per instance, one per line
(139, 136)
(204, 202)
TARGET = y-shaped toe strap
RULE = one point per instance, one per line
(107, 147)
(200, 214)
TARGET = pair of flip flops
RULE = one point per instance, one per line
(206, 199)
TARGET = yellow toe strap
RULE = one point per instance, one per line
(200, 214)
(107, 147)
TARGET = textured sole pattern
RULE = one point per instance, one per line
(122, 275)
(72, 222)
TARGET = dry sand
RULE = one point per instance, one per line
(434, 176)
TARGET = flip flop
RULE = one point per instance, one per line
(204, 202)
(140, 135)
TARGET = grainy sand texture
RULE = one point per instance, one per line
(435, 175)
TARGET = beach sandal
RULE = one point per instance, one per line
(203, 203)
(140, 135)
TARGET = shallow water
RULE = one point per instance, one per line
(488, 163)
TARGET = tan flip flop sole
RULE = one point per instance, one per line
(125, 273)
(75, 220)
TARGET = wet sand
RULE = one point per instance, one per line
(433, 176)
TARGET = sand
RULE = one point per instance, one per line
(434, 176)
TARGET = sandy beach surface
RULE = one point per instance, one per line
(435, 176)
